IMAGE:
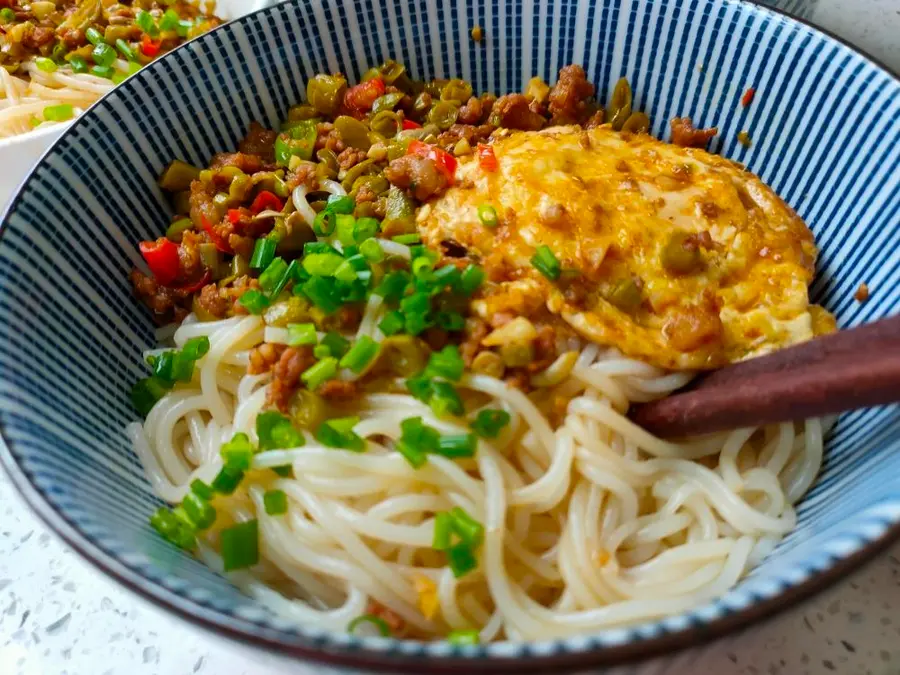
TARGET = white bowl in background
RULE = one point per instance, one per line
(19, 153)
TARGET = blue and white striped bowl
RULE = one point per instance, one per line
(826, 129)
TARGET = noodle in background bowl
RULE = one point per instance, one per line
(19, 153)
(826, 137)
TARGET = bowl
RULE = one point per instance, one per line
(824, 134)
(19, 153)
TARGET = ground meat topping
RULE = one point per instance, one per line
(292, 363)
(419, 174)
(513, 112)
(568, 98)
(687, 136)
(260, 142)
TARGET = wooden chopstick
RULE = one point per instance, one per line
(855, 368)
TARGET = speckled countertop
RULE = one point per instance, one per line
(60, 617)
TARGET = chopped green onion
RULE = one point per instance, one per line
(285, 471)
(464, 638)
(7, 15)
(420, 387)
(46, 65)
(422, 268)
(227, 480)
(371, 250)
(415, 323)
(59, 113)
(322, 264)
(201, 489)
(487, 214)
(338, 433)
(369, 619)
(196, 348)
(274, 276)
(263, 253)
(546, 263)
(59, 53)
(184, 28)
(146, 393)
(457, 446)
(461, 559)
(344, 223)
(417, 303)
(133, 67)
(275, 431)
(300, 334)
(118, 77)
(392, 323)
(275, 502)
(103, 71)
(146, 23)
(323, 293)
(173, 529)
(254, 301)
(488, 423)
(169, 20)
(79, 65)
(199, 510)
(393, 286)
(364, 229)
(468, 529)
(104, 55)
(445, 400)
(419, 435)
(321, 352)
(238, 452)
(443, 530)
(294, 272)
(446, 363)
(240, 545)
(414, 456)
(471, 280)
(318, 374)
(448, 275)
(406, 239)
(319, 247)
(345, 272)
(94, 36)
(324, 223)
(337, 343)
(125, 49)
(364, 350)
(340, 204)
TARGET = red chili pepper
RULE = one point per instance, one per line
(265, 201)
(197, 285)
(234, 216)
(220, 243)
(748, 97)
(486, 157)
(361, 97)
(446, 163)
(162, 258)
(150, 47)
(409, 124)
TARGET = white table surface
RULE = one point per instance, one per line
(60, 617)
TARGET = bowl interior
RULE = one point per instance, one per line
(826, 137)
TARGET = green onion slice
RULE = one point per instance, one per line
(377, 623)
(240, 545)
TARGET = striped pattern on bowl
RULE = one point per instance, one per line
(826, 136)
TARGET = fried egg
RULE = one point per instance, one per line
(674, 256)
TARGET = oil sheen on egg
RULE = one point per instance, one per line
(675, 256)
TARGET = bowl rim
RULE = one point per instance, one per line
(667, 644)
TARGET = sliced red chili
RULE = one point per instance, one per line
(265, 201)
(150, 47)
(486, 157)
(446, 163)
(197, 285)
(409, 124)
(214, 237)
(162, 258)
(748, 97)
(362, 96)
(234, 216)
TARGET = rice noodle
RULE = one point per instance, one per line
(590, 523)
